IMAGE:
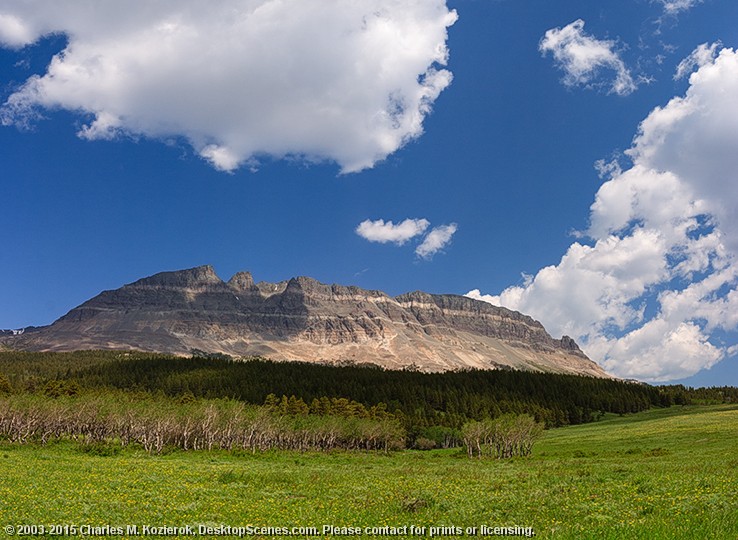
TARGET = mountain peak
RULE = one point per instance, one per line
(304, 319)
(242, 281)
(199, 275)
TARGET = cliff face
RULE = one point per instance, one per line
(302, 319)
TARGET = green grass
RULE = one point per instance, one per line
(667, 474)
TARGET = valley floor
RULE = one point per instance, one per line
(668, 473)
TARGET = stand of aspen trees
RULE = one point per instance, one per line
(159, 423)
(507, 436)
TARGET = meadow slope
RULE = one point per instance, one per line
(665, 473)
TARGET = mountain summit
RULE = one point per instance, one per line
(303, 319)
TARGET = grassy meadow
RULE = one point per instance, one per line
(665, 473)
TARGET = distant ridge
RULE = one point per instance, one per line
(303, 319)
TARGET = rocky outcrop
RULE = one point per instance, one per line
(19, 331)
(303, 319)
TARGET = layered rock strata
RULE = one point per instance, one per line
(303, 319)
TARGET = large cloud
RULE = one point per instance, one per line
(334, 80)
(660, 277)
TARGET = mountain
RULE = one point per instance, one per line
(303, 319)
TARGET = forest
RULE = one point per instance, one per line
(309, 406)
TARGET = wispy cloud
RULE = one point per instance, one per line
(583, 58)
(385, 231)
(704, 54)
(436, 240)
(348, 82)
(675, 7)
(660, 277)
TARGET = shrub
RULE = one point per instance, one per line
(504, 437)
(5, 387)
(421, 443)
(100, 448)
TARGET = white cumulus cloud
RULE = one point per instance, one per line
(436, 240)
(388, 232)
(13, 32)
(583, 58)
(384, 232)
(348, 82)
(661, 275)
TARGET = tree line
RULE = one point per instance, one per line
(425, 399)
(431, 408)
(104, 421)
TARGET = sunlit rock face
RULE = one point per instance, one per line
(303, 319)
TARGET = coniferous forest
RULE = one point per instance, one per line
(424, 410)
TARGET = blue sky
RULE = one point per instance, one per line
(135, 141)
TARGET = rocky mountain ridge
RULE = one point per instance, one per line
(303, 319)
